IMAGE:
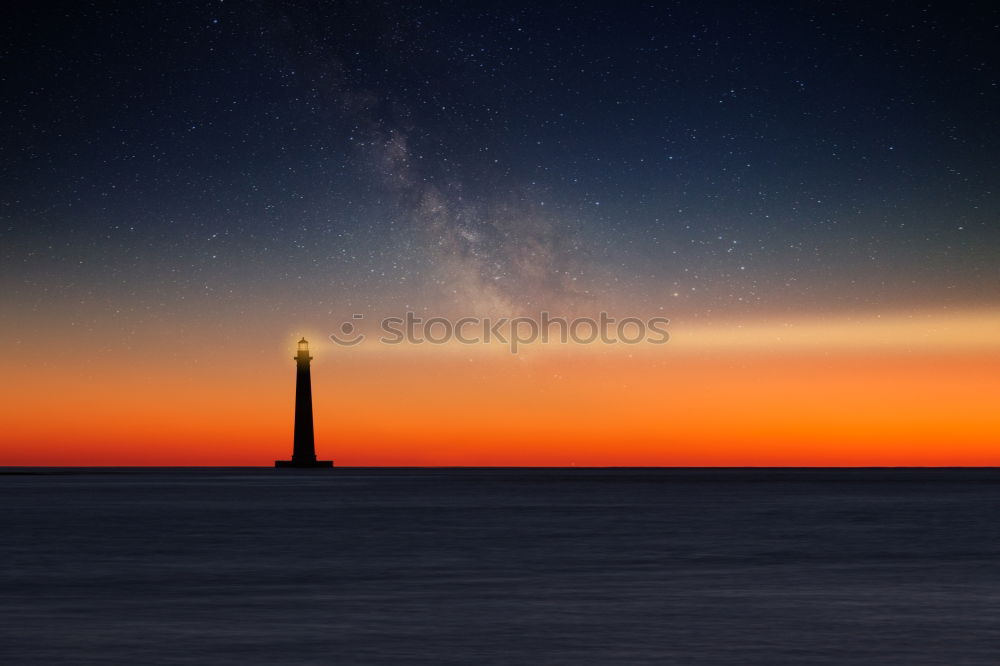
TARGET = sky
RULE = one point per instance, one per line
(808, 192)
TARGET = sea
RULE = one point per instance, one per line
(499, 566)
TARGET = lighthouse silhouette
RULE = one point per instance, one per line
(304, 448)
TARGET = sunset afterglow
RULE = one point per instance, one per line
(877, 390)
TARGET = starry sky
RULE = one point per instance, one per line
(208, 180)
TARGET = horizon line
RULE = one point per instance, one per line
(709, 467)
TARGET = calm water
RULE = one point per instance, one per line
(258, 566)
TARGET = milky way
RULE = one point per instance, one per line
(702, 161)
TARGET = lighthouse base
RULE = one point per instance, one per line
(303, 463)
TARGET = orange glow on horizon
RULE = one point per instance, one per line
(906, 390)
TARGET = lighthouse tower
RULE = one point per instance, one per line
(303, 449)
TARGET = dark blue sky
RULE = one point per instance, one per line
(727, 157)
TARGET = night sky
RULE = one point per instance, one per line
(736, 157)
(182, 176)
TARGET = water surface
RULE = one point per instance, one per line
(501, 566)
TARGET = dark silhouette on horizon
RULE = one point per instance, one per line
(303, 448)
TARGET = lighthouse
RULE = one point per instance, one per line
(303, 447)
